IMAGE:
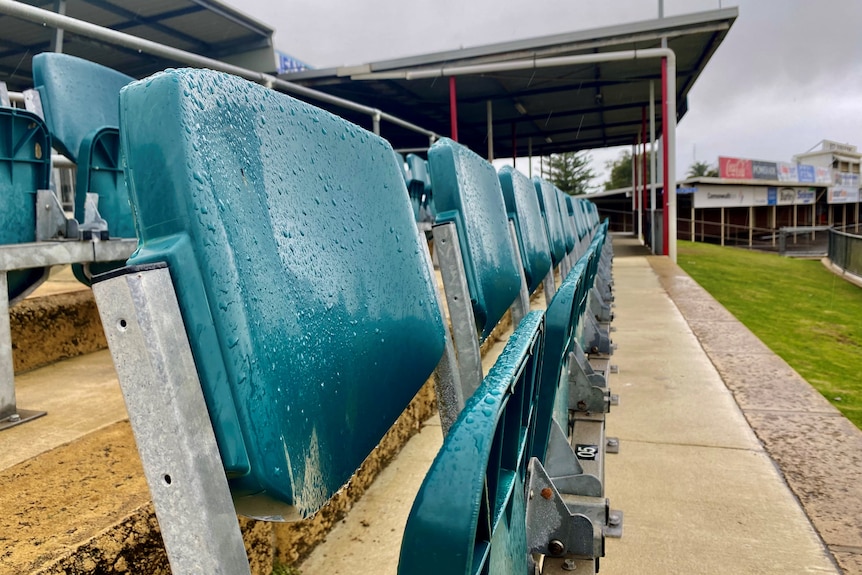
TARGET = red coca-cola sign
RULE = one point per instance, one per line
(734, 168)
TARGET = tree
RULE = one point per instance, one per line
(621, 171)
(702, 169)
(571, 172)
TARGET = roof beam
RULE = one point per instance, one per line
(133, 19)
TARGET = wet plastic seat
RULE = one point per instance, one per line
(561, 322)
(306, 293)
(469, 515)
(549, 206)
(467, 193)
(25, 166)
(522, 207)
(419, 187)
(569, 232)
(574, 210)
(80, 102)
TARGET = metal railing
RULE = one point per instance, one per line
(43, 17)
(845, 251)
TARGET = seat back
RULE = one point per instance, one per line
(419, 186)
(80, 102)
(546, 193)
(469, 515)
(305, 290)
(522, 207)
(78, 98)
(569, 232)
(574, 211)
(561, 319)
(25, 166)
(467, 193)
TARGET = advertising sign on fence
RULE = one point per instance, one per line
(734, 168)
(806, 173)
(708, 196)
(822, 175)
(788, 172)
(843, 195)
(764, 170)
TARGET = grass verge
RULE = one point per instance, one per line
(807, 315)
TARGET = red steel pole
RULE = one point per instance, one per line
(665, 132)
(453, 108)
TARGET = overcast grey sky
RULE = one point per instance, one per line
(788, 74)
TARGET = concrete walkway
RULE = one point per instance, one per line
(700, 493)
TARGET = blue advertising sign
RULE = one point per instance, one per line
(771, 196)
(287, 64)
(806, 173)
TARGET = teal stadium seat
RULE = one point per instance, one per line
(568, 226)
(80, 102)
(469, 515)
(522, 206)
(306, 293)
(467, 193)
(561, 319)
(546, 193)
(419, 187)
(25, 166)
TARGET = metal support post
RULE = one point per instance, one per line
(169, 417)
(564, 267)
(10, 415)
(447, 380)
(490, 112)
(549, 287)
(57, 39)
(521, 306)
(464, 333)
(7, 371)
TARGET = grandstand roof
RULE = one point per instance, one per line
(560, 109)
(204, 27)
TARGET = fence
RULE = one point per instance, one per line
(845, 251)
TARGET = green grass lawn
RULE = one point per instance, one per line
(805, 314)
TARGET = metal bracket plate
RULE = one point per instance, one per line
(552, 528)
(20, 416)
(587, 389)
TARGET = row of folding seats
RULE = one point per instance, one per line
(493, 239)
(75, 111)
(309, 312)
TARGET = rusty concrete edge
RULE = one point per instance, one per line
(51, 328)
(664, 270)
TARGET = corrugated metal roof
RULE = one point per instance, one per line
(204, 27)
(558, 109)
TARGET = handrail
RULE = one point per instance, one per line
(47, 18)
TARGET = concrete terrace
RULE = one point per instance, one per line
(730, 462)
